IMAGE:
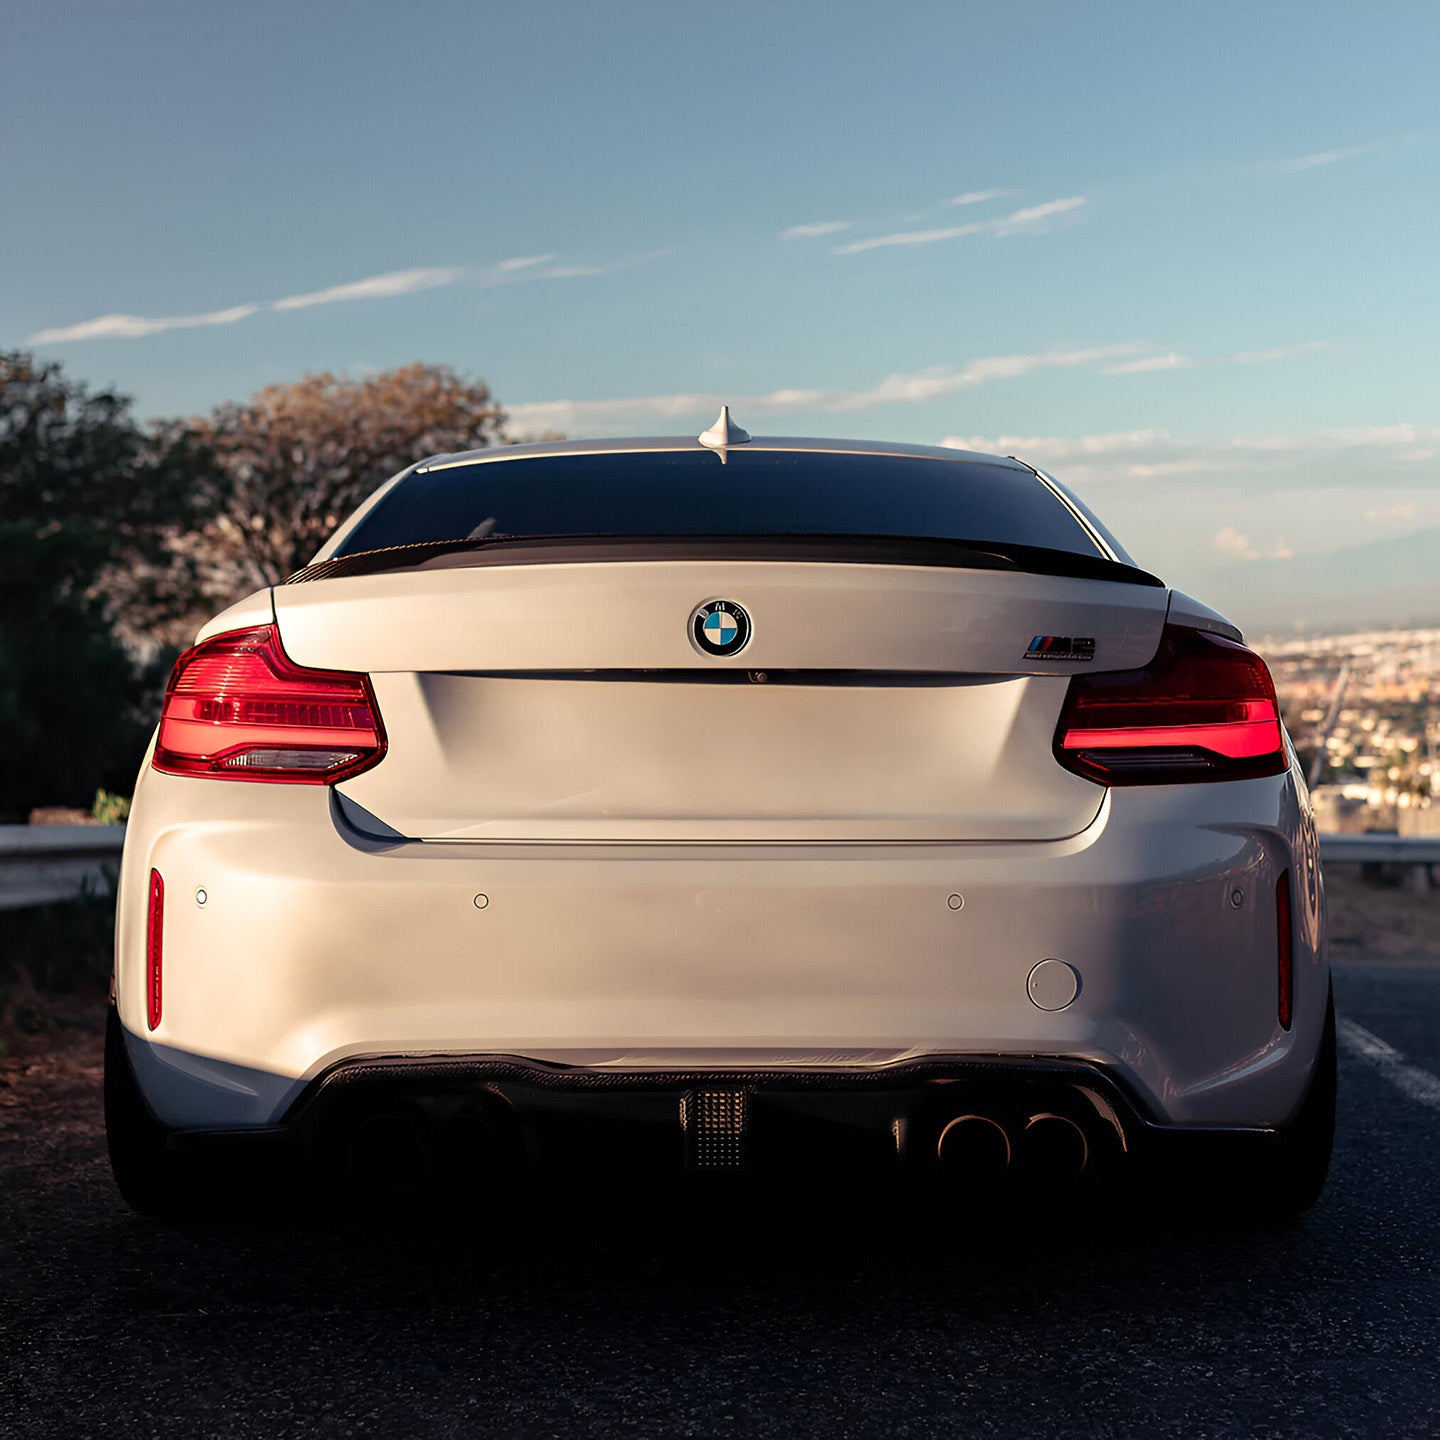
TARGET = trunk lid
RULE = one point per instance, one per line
(569, 702)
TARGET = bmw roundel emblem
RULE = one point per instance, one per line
(719, 627)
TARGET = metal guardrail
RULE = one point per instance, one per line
(1382, 849)
(42, 864)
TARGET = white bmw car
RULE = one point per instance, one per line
(724, 804)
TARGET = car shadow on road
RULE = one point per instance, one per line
(732, 1241)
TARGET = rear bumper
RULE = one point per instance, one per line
(316, 947)
(489, 1114)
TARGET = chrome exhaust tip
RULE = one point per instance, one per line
(974, 1146)
(1054, 1148)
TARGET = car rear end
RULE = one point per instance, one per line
(980, 849)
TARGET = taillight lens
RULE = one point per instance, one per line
(1203, 709)
(238, 708)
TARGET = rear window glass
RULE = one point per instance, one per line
(756, 492)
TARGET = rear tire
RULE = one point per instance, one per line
(1298, 1167)
(153, 1179)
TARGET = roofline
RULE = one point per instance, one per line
(672, 443)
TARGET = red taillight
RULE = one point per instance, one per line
(1203, 709)
(1285, 948)
(237, 708)
(154, 948)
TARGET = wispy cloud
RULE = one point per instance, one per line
(1119, 455)
(977, 197)
(374, 287)
(1409, 442)
(130, 327)
(1320, 158)
(927, 384)
(1056, 448)
(521, 262)
(1323, 157)
(912, 237)
(1281, 352)
(537, 267)
(1386, 514)
(1237, 545)
(581, 417)
(1036, 215)
(1174, 360)
(393, 282)
(1171, 360)
(810, 232)
(1019, 221)
(1401, 455)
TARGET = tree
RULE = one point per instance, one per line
(116, 542)
(292, 462)
(81, 491)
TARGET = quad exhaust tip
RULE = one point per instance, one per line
(1054, 1147)
(974, 1145)
(1050, 1148)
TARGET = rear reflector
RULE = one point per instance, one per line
(1203, 709)
(1286, 950)
(238, 708)
(154, 948)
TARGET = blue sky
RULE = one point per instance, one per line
(1185, 256)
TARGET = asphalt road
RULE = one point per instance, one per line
(835, 1321)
